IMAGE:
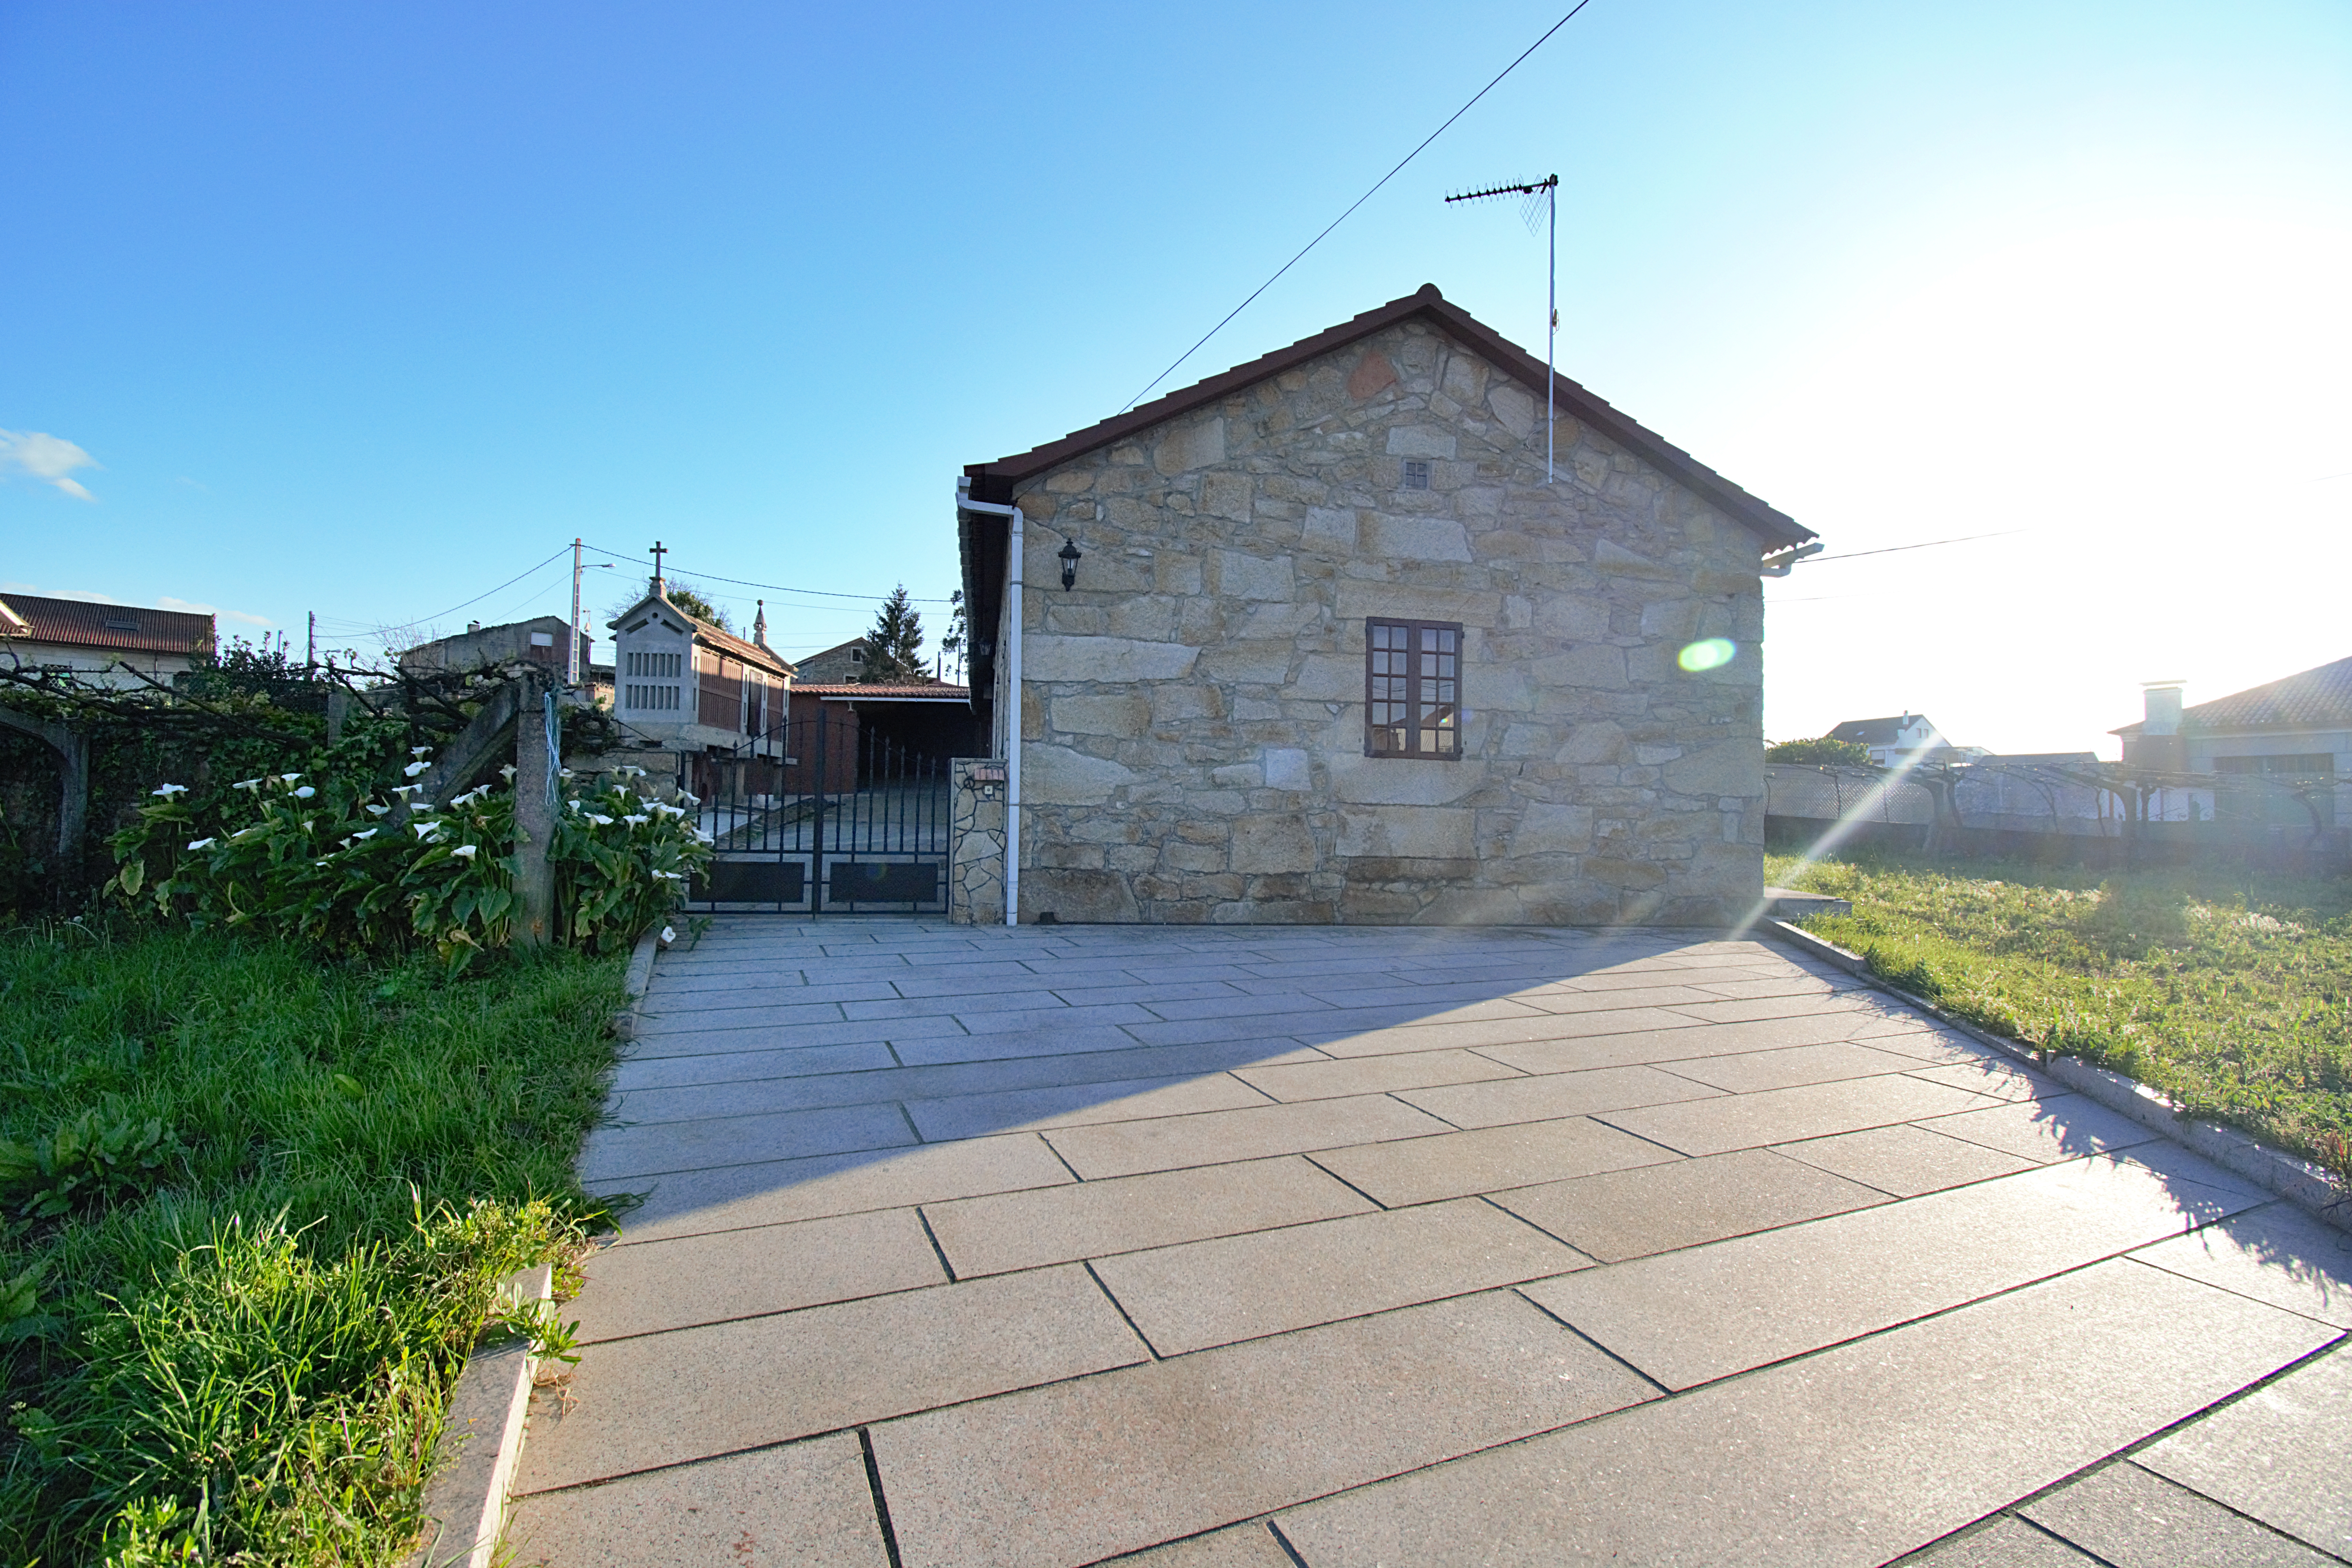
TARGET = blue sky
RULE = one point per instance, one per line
(365, 311)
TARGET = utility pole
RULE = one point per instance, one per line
(572, 671)
(311, 651)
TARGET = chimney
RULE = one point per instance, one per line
(473, 627)
(2159, 745)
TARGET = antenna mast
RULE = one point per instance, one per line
(1546, 191)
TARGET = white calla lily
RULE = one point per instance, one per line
(169, 790)
(202, 843)
(467, 851)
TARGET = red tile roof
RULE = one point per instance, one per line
(996, 481)
(937, 690)
(115, 628)
(2313, 698)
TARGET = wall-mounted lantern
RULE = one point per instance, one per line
(1069, 555)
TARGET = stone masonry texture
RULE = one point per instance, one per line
(1194, 710)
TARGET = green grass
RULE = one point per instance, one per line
(256, 1207)
(2230, 992)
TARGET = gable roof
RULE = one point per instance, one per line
(1879, 732)
(996, 481)
(2311, 698)
(115, 628)
(719, 637)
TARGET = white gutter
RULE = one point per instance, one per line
(1013, 684)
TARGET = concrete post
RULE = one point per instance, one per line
(538, 747)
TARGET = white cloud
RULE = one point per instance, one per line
(190, 607)
(51, 460)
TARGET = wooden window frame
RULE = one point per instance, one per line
(1428, 694)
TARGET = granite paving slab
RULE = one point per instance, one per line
(1084, 1469)
(1619, 1214)
(1689, 1317)
(2277, 1254)
(1251, 1545)
(2047, 1128)
(1840, 1460)
(709, 1278)
(619, 1153)
(1075, 1105)
(655, 1400)
(1128, 1214)
(732, 1198)
(1785, 1115)
(1328, 1080)
(1201, 1293)
(1906, 1159)
(2132, 1517)
(1487, 1160)
(2003, 1540)
(1548, 1096)
(2280, 1455)
(807, 1504)
(1216, 1137)
(1658, 1035)
(1792, 1067)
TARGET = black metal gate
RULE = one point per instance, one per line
(817, 816)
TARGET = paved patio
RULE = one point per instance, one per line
(1247, 1247)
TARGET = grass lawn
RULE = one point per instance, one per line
(2230, 991)
(254, 1207)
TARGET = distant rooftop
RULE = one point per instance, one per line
(2312, 700)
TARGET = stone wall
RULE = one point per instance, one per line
(1193, 711)
(976, 842)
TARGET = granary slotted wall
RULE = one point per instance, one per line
(1193, 711)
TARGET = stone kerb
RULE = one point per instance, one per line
(976, 841)
(1194, 707)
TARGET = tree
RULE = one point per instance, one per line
(894, 648)
(686, 596)
(1847, 753)
(958, 633)
(696, 603)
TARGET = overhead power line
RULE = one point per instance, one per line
(742, 583)
(1929, 544)
(1360, 200)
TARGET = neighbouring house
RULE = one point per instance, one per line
(2281, 740)
(102, 643)
(840, 663)
(1316, 640)
(545, 640)
(684, 685)
(1892, 739)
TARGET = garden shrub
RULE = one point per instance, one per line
(334, 863)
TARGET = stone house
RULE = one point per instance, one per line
(1314, 640)
(543, 640)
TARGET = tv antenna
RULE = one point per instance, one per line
(1542, 201)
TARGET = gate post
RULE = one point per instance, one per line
(538, 746)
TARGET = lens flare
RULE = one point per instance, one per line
(1708, 653)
